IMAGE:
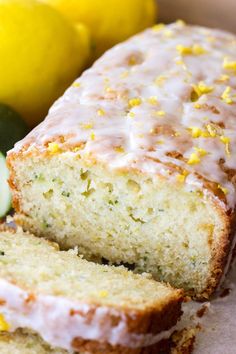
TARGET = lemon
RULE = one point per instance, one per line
(110, 21)
(12, 128)
(41, 53)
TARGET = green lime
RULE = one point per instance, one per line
(5, 194)
(12, 128)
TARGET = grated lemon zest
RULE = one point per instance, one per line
(76, 84)
(229, 64)
(160, 113)
(136, 101)
(4, 326)
(158, 27)
(152, 100)
(201, 88)
(119, 149)
(226, 95)
(195, 49)
(53, 148)
(224, 190)
(87, 126)
(226, 140)
(101, 112)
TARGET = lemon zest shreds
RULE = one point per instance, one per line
(200, 151)
(195, 49)
(4, 326)
(152, 100)
(119, 149)
(100, 112)
(211, 130)
(182, 176)
(87, 126)
(195, 156)
(160, 113)
(224, 190)
(182, 50)
(226, 95)
(226, 140)
(198, 50)
(193, 159)
(92, 136)
(131, 114)
(76, 84)
(224, 78)
(53, 148)
(229, 64)
(158, 27)
(201, 88)
(136, 101)
(78, 148)
(196, 132)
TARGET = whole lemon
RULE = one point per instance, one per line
(110, 21)
(41, 53)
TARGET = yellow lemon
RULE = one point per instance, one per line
(41, 53)
(110, 21)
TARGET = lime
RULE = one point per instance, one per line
(12, 128)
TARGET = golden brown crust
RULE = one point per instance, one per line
(152, 322)
(220, 252)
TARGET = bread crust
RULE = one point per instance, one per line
(153, 322)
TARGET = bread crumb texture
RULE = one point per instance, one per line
(147, 223)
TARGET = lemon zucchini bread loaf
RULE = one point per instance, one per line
(136, 163)
(77, 305)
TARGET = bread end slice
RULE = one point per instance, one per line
(79, 305)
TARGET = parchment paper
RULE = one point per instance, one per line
(218, 325)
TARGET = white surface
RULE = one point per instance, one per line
(218, 333)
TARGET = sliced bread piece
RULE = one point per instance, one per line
(136, 162)
(25, 343)
(79, 305)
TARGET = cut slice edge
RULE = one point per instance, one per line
(70, 324)
(5, 194)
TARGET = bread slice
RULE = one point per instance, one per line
(77, 305)
(25, 343)
(136, 164)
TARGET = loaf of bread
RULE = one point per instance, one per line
(136, 163)
(77, 305)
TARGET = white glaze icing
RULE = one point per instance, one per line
(130, 70)
(50, 316)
